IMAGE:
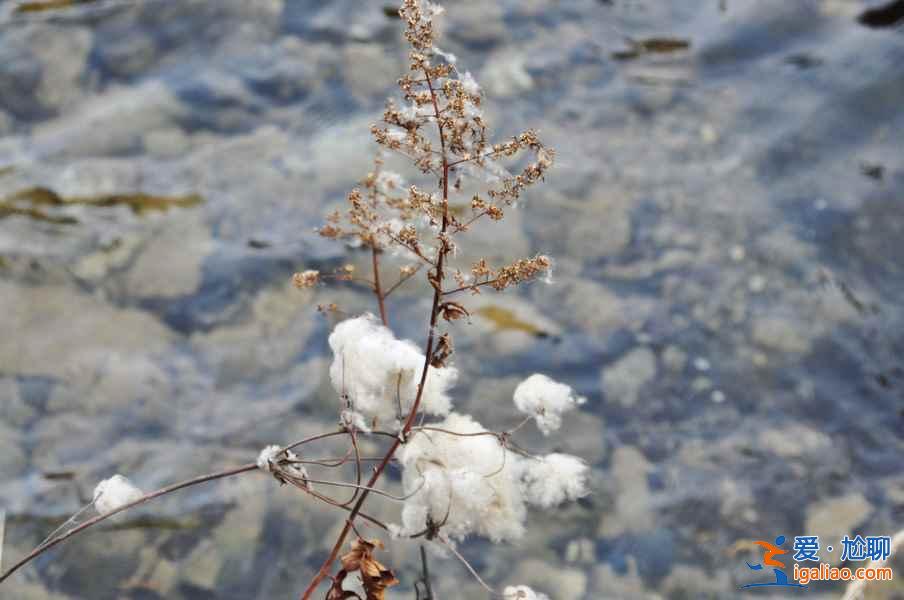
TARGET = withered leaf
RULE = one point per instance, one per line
(374, 575)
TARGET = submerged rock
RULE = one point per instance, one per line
(623, 381)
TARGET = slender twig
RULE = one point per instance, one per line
(378, 292)
(414, 251)
(2, 534)
(425, 574)
(468, 566)
(495, 434)
(103, 517)
(464, 226)
(402, 280)
(470, 287)
(302, 484)
(365, 488)
(330, 462)
(314, 438)
(354, 437)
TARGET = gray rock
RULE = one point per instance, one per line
(633, 511)
(57, 329)
(169, 264)
(623, 381)
(43, 71)
(833, 518)
(112, 123)
(782, 334)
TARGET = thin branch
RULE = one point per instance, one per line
(313, 438)
(378, 292)
(71, 519)
(100, 518)
(464, 226)
(357, 468)
(302, 484)
(402, 280)
(414, 251)
(366, 488)
(469, 567)
(470, 287)
(425, 574)
(330, 462)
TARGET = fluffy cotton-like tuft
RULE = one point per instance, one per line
(389, 182)
(433, 9)
(113, 493)
(379, 374)
(469, 84)
(351, 419)
(553, 479)
(544, 399)
(470, 483)
(522, 592)
(267, 457)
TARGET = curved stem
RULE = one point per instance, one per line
(99, 518)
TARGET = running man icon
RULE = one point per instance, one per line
(770, 551)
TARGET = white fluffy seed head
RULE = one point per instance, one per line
(267, 457)
(467, 483)
(114, 493)
(545, 400)
(469, 84)
(522, 592)
(379, 374)
(351, 419)
(270, 456)
(553, 479)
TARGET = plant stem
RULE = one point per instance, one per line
(99, 518)
(324, 570)
(426, 574)
(378, 291)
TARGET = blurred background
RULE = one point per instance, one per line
(725, 217)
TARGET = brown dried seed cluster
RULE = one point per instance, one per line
(439, 127)
(521, 270)
(306, 279)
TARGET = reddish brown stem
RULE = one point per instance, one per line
(378, 291)
(324, 570)
(94, 521)
(470, 287)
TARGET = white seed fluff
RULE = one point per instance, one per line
(267, 457)
(379, 374)
(351, 419)
(113, 493)
(552, 479)
(469, 84)
(545, 400)
(522, 592)
(470, 483)
(270, 457)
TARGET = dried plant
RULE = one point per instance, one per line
(459, 478)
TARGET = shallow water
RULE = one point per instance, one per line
(725, 218)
